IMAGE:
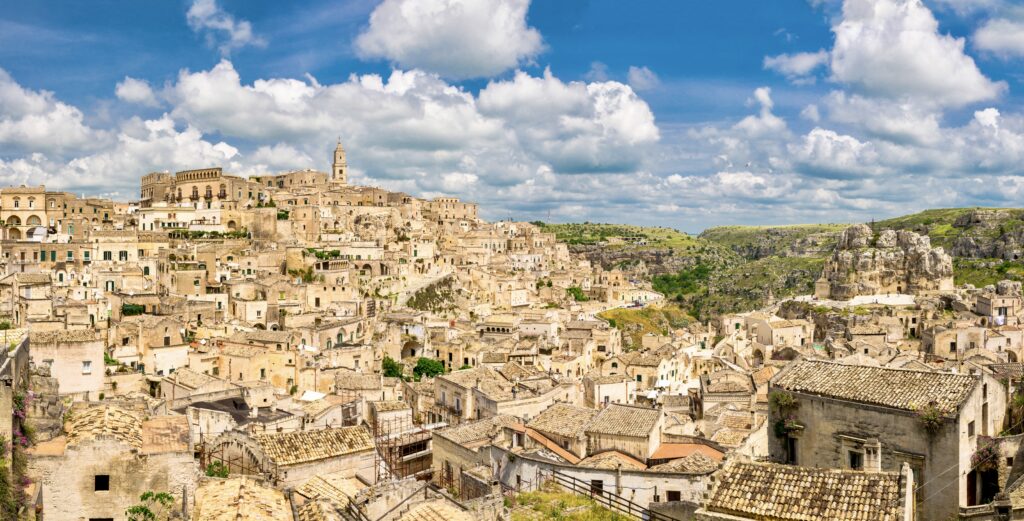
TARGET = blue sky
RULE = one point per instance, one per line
(677, 113)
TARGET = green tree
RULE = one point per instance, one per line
(428, 367)
(153, 506)
(217, 469)
(577, 294)
(392, 369)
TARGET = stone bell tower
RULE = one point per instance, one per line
(339, 172)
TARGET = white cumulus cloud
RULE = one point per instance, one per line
(893, 48)
(1001, 36)
(454, 38)
(642, 78)
(796, 67)
(135, 90)
(220, 28)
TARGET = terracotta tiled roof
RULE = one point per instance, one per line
(611, 460)
(762, 375)
(786, 492)
(624, 420)
(291, 448)
(730, 437)
(436, 510)
(239, 498)
(317, 510)
(694, 463)
(897, 388)
(563, 420)
(486, 429)
(333, 487)
(389, 406)
(682, 450)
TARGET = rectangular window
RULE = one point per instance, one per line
(86, 366)
(108, 255)
(673, 495)
(970, 429)
(952, 347)
(101, 482)
(597, 486)
(856, 460)
(122, 255)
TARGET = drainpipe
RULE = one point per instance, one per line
(618, 479)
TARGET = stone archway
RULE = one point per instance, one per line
(238, 453)
(232, 225)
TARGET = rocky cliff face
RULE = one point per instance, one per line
(986, 233)
(889, 262)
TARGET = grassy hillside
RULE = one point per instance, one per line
(755, 242)
(594, 233)
(635, 323)
(736, 268)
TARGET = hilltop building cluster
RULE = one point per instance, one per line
(294, 347)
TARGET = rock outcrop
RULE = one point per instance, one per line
(989, 233)
(890, 262)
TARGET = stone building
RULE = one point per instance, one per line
(873, 418)
(109, 457)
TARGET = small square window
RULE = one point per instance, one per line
(102, 482)
(856, 460)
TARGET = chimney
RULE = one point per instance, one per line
(873, 455)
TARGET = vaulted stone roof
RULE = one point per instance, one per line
(898, 388)
(104, 421)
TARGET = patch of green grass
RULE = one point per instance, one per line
(594, 233)
(553, 502)
(983, 272)
(635, 323)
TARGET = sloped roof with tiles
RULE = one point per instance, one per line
(317, 510)
(764, 374)
(468, 378)
(624, 420)
(486, 429)
(436, 510)
(104, 421)
(239, 498)
(696, 463)
(332, 487)
(186, 377)
(291, 448)
(612, 459)
(563, 419)
(897, 388)
(730, 437)
(786, 492)
(353, 381)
